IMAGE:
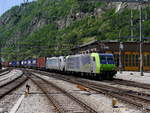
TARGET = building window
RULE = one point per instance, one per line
(145, 60)
(130, 56)
(126, 60)
(137, 59)
(148, 58)
(133, 60)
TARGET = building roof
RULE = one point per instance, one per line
(105, 41)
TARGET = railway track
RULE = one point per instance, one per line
(114, 81)
(4, 72)
(63, 101)
(136, 98)
(129, 83)
(139, 99)
(10, 86)
(5, 76)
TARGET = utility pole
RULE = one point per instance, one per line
(131, 25)
(120, 52)
(141, 41)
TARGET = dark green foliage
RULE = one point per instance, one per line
(52, 27)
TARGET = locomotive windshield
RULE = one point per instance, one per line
(103, 59)
(106, 59)
(110, 59)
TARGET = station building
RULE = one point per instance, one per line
(129, 52)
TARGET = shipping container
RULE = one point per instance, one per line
(25, 63)
(22, 63)
(14, 64)
(18, 63)
(41, 63)
(5, 64)
(31, 63)
(9, 64)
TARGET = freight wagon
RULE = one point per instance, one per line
(41, 63)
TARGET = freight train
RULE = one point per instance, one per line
(93, 65)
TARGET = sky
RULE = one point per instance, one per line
(7, 4)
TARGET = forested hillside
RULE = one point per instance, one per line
(49, 27)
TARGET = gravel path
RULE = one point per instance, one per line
(99, 102)
(35, 102)
(134, 76)
(8, 101)
(10, 76)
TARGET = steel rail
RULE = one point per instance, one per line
(135, 98)
(7, 83)
(51, 99)
(130, 83)
(11, 86)
(2, 72)
(115, 81)
(85, 106)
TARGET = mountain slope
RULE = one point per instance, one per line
(48, 28)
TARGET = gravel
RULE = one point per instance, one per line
(100, 102)
(10, 76)
(35, 102)
(134, 76)
(3, 68)
(109, 83)
(6, 76)
(7, 102)
(3, 73)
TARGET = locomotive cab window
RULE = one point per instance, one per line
(103, 59)
(106, 59)
(110, 59)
